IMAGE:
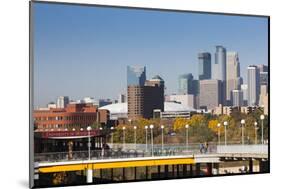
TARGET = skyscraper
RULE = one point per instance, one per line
(233, 79)
(263, 70)
(244, 89)
(210, 93)
(219, 70)
(136, 75)
(144, 97)
(205, 67)
(219, 67)
(186, 84)
(253, 85)
(237, 98)
(62, 101)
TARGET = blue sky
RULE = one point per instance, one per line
(83, 51)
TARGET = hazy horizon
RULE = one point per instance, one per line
(83, 51)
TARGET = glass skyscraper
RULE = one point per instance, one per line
(253, 85)
(219, 67)
(136, 75)
(205, 67)
(186, 84)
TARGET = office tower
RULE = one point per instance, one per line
(210, 94)
(205, 67)
(62, 101)
(219, 70)
(121, 98)
(263, 100)
(263, 70)
(253, 85)
(244, 89)
(143, 99)
(186, 84)
(237, 98)
(219, 66)
(233, 79)
(136, 75)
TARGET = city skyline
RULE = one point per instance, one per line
(90, 61)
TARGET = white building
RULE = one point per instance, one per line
(187, 100)
(62, 101)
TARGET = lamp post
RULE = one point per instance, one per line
(256, 129)
(225, 132)
(152, 150)
(124, 128)
(162, 132)
(135, 136)
(89, 142)
(262, 118)
(219, 133)
(101, 138)
(146, 127)
(242, 130)
(186, 136)
(112, 128)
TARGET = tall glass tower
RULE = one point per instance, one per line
(186, 84)
(136, 75)
(219, 67)
(253, 85)
(204, 60)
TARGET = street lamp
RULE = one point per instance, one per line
(112, 128)
(81, 129)
(256, 129)
(73, 129)
(135, 136)
(162, 132)
(124, 128)
(262, 118)
(219, 133)
(152, 150)
(225, 132)
(242, 129)
(186, 136)
(89, 141)
(146, 127)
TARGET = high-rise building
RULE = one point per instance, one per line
(210, 93)
(62, 101)
(263, 100)
(237, 98)
(219, 70)
(253, 85)
(219, 66)
(244, 89)
(263, 70)
(186, 84)
(136, 75)
(233, 79)
(205, 66)
(144, 99)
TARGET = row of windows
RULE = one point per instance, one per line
(71, 118)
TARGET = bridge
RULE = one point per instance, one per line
(141, 163)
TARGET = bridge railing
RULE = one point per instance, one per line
(129, 151)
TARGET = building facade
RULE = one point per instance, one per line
(74, 116)
(253, 85)
(233, 79)
(205, 66)
(186, 85)
(136, 75)
(210, 93)
(237, 98)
